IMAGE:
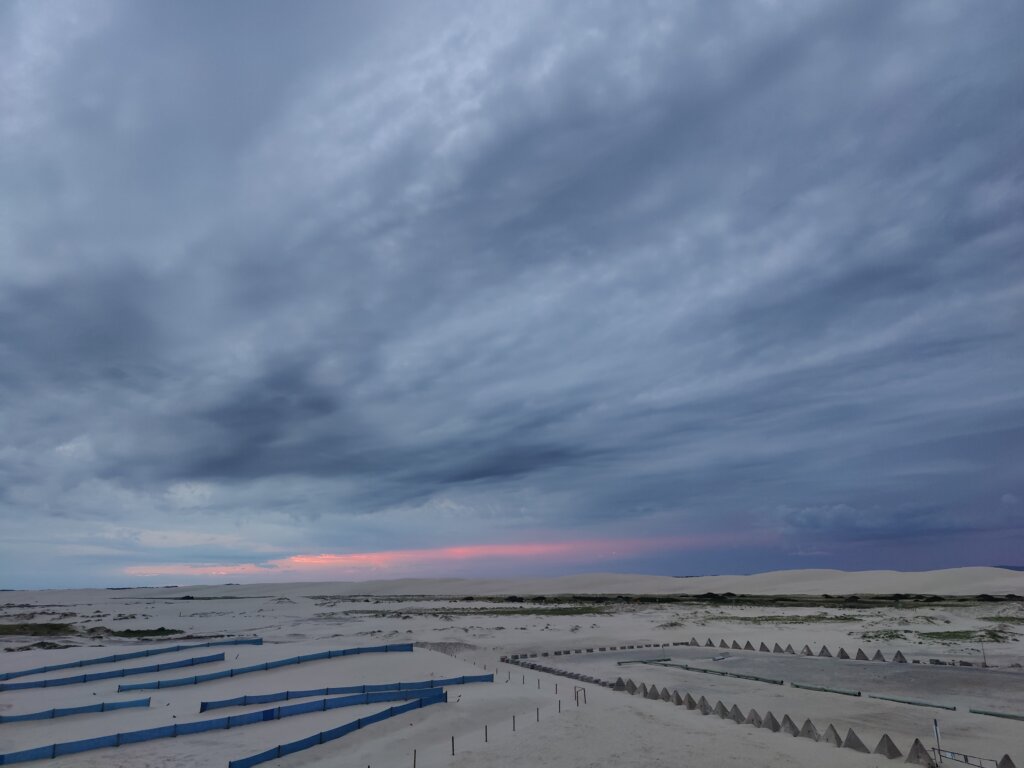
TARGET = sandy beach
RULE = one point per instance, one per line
(949, 622)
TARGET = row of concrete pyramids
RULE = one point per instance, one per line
(806, 651)
(917, 754)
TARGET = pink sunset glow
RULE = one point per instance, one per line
(416, 562)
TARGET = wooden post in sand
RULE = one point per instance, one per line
(538, 714)
(513, 723)
(485, 734)
(414, 758)
(559, 705)
(453, 746)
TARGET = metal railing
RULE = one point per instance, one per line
(959, 757)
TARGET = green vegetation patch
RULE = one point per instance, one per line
(158, 632)
(884, 634)
(968, 636)
(45, 645)
(30, 629)
(557, 610)
(795, 619)
(1005, 619)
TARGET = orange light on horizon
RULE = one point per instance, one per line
(406, 561)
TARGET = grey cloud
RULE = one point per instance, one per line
(589, 268)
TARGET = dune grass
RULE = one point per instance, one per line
(37, 629)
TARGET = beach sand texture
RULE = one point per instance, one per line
(462, 627)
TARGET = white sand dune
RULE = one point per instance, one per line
(611, 729)
(952, 581)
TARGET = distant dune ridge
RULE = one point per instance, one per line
(951, 581)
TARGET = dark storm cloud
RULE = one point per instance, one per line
(390, 276)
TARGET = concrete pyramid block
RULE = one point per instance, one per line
(710, 643)
(748, 646)
(878, 656)
(665, 695)
(753, 718)
(852, 741)
(831, 736)
(769, 722)
(764, 648)
(720, 709)
(653, 693)
(620, 685)
(777, 649)
(808, 731)
(825, 652)
(689, 702)
(1006, 762)
(918, 755)
(703, 707)
(790, 651)
(899, 658)
(736, 646)
(676, 698)
(861, 656)
(722, 644)
(886, 748)
(807, 651)
(735, 715)
(842, 654)
(788, 726)
(693, 641)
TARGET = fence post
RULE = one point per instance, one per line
(513, 723)
(538, 714)
(414, 758)
(485, 733)
(453, 746)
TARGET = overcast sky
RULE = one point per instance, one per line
(358, 290)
